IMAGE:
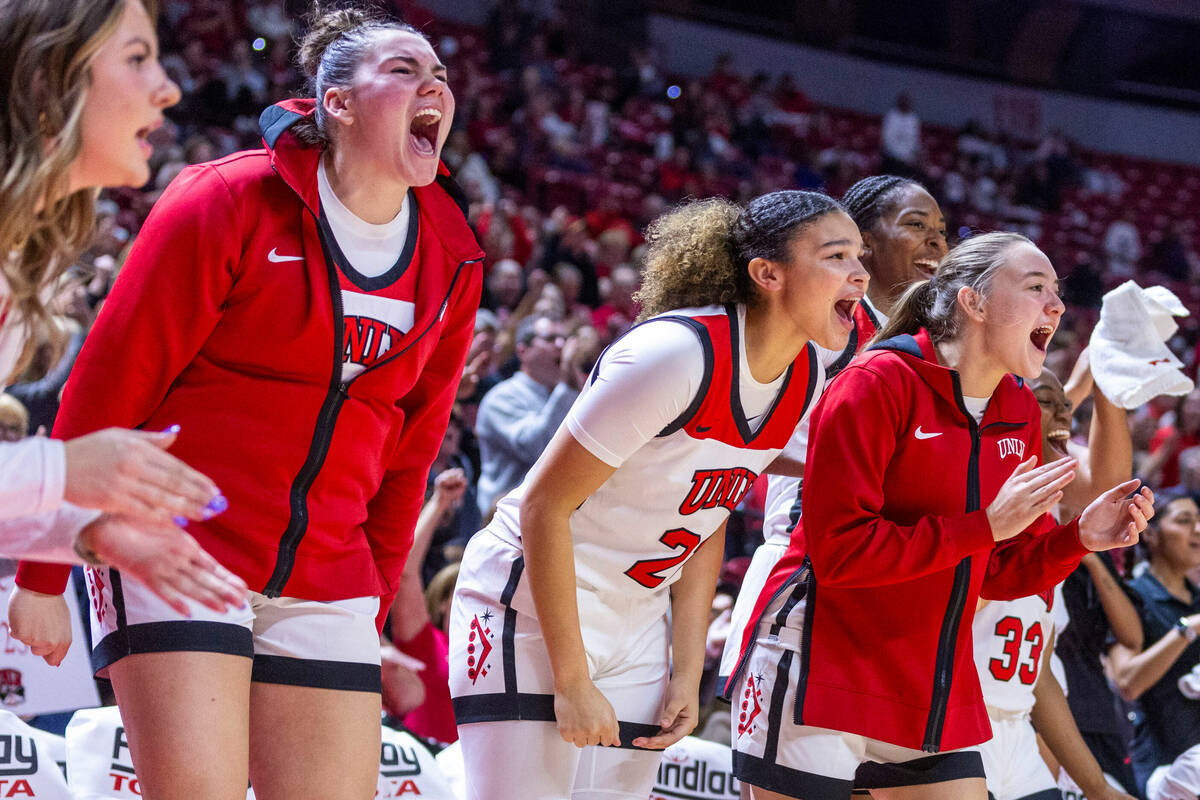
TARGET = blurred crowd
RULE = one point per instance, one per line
(564, 159)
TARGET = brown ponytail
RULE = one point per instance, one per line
(911, 312)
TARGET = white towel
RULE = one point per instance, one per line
(1130, 362)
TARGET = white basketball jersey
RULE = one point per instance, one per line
(634, 534)
(781, 508)
(1010, 641)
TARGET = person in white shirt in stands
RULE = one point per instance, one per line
(114, 495)
(900, 137)
(518, 416)
(1123, 246)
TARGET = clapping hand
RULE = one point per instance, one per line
(1114, 519)
(1027, 494)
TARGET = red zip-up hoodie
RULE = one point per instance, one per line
(900, 547)
(227, 320)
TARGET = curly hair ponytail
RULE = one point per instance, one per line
(689, 259)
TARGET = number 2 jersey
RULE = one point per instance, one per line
(672, 406)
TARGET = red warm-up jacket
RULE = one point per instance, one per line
(227, 320)
(898, 476)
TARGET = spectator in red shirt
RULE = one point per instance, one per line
(789, 98)
(609, 215)
(675, 176)
(619, 309)
(213, 23)
(504, 234)
(412, 630)
(613, 248)
(723, 80)
(1171, 440)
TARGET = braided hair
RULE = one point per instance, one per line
(866, 200)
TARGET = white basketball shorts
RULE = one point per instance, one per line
(325, 645)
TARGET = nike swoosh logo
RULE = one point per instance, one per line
(921, 435)
(703, 428)
(275, 258)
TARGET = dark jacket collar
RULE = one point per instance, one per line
(1008, 404)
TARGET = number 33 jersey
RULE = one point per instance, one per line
(673, 407)
(1011, 639)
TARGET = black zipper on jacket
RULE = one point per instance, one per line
(318, 448)
(943, 671)
(285, 560)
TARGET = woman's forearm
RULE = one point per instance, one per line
(1080, 382)
(1118, 608)
(1134, 672)
(427, 522)
(691, 603)
(562, 480)
(409, 614)
(1052, 719)
(1110, 446)
(550, 567)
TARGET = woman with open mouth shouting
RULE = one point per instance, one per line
(904, 239)
(581, 610)
(307, 306)
(922, 493)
